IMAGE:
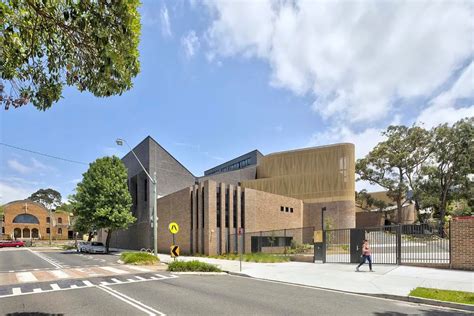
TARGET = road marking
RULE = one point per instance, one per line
(37, 290)
(59, 274)
(104, 283)
(131, 280)
(138, 269)
(161, 276)
(116, 280)
(25, 277)
(73, 286)
(16, 290)
(133, 302)
(88, 283)
(139, 277)
(114, 270)
(45, 258)
(54, 286)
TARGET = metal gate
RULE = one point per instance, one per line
(396, 244)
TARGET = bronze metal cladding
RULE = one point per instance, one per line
(313, 175)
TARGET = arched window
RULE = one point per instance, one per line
(60, 231)
(26, 233)
(26, 219)
(34, 233)
(17, 233)
(60, 220)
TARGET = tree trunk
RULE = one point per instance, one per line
(107, 241)
(442, 213)
(89, 238)
(399, 212)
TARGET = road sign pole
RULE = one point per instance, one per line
(174, 244)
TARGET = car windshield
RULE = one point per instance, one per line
(97, 244)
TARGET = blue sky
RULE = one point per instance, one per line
(219, 79)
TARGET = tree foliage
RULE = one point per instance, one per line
(45, 45)
(446, 176)
(50, 198)
(102, 199)
(394, 163)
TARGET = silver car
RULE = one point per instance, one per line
(96, 247)
(82, 246)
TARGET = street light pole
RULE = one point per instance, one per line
(120, 142)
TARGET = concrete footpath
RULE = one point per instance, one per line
(386, 280)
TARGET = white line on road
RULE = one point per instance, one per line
(25, 277)
(114, 270)
(38, 290)
(139, 278)
(88, 283)
(45, 258)
(138, 269)
(133, 302)
(54, 286)
(16, 290)
(73, 286)
(116, 280)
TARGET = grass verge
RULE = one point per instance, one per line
(444, 295)
(253, 257)
(192, 266)
(139, 258)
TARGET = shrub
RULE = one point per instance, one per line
(193, 266)
(142, 258)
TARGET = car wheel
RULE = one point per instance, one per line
(17, 246)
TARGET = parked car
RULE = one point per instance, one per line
(96, 247)
(82, 246)
(11, 243)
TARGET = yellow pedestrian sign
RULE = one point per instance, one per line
(174, 228)
(174, 251)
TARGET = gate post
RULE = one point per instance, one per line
(450, 250)
(399, 244)
(324, 246)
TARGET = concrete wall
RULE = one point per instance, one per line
(462, 241)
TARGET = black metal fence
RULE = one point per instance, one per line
(396, 244)
(296, 243)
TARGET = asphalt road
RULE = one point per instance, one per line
(207, 295)
(21, 259)
(24, 260)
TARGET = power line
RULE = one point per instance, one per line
(46, 155)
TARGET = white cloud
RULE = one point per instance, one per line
(165, 22)
(17, 166)
(444, 108)
(355, 58)
(190, 44)
(23, 168)
(14, 191)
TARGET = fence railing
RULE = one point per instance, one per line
(295, 242)
(395, 244)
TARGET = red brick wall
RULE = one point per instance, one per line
(462, 243)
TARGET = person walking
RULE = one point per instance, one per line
(366, 256)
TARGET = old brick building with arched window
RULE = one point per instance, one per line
(26, 219)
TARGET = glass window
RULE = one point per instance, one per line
(26, 218)
(60, 220)
(291, 210)
(47, 230)
(60, 231)
(282, 209)
(145, 184)
(286, 209)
